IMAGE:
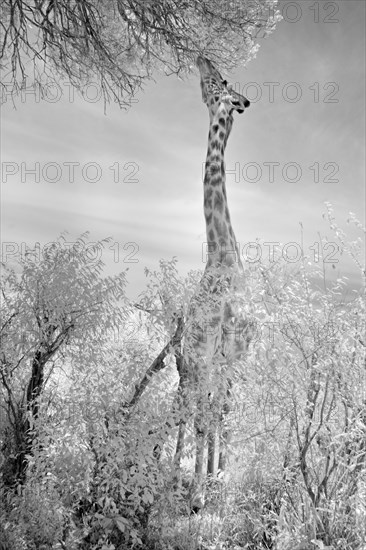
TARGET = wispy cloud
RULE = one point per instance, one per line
(150, 158)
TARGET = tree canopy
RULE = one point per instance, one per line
(119, 43)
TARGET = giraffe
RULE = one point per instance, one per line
(217, 332)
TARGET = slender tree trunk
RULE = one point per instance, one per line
(19, 439)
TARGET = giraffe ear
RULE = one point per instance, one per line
(204, 94)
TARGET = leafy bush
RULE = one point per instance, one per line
(100, 444)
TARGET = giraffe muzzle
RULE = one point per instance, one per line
(238, 104)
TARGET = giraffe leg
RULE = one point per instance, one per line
(211, 447)
(180, 413)
(178, 453)
(211, 436)
(200, 426)
(224, 429)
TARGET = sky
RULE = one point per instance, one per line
(136, 176)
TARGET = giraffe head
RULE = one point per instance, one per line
(216, 92)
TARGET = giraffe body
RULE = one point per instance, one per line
(218, 333)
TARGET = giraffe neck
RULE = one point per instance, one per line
(221, 248)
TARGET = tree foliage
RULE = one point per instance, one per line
(102, 426)
(50, 309)
(119, 43)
